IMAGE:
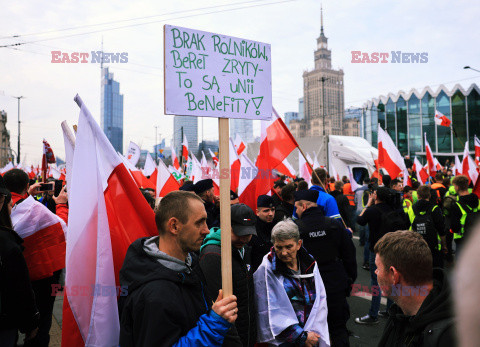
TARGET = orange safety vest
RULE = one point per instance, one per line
(347, 191)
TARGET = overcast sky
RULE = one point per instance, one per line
(446, 30)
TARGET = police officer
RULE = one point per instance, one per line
(204, 189)
(331, 245)
(261, 243)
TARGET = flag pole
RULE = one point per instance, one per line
(225, 214)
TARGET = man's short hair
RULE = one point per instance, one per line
(439, 177)
(302, 185)
(339, 185)
(383, 194)
(424, 192)
(175, 204)
(407, 189)
(395, 182)
(386, 179)
(366, 180)
(344, 179)
(415, 185)
(322, 175)
(279, 184)
(409, 253)
(288, 191)
(16, 180)
(460, 181)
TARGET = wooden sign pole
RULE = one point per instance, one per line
(225, 214)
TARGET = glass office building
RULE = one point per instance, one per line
(187, 125)
(242, 127)
(111, 120)
(407, 116)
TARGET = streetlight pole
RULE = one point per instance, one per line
(18, 148)
(471, 68)
(156, 146)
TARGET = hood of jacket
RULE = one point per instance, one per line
(421, 206)
(436, 306)
(143, 263)
(213, 238)
(470, 199)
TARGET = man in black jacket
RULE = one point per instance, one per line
(426, 218)
(422, 314)
(205, 190)
(285, 209)
(342, 203)
(243, 333)
(332, 247)
(261, 243)
(167, 302)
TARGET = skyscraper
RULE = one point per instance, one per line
(111, 119)
(189, 126)
(242, 127)
(323, 95)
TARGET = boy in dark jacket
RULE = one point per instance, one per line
(243, 333)
(167, 303)
(422, 314)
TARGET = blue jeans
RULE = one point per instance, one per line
(366, 248)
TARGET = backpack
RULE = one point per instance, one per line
(393, 220)
(470, 216)
(423, 224)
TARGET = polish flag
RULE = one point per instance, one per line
(197, 173)
(422, 174)
(166, 183)
(469, 168)
(276, 144)
(149, 167)
(239, 144)
(477, 150)
(247, 185)
(388, 155)
(234, 166)
(107, 213)
(430, 159)
(334, 173)
(286, 168)
(438, 166)
(185, 147)
(47, 158)
(214, 158)
(43, 235)
(441, 119)
(305, 170)
(137, 175)
(316, 164)
(133, 153)
(175, 162)
(458, 166)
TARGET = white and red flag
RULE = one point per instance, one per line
(304, 169)
(185, 147)
(69, 142)
(469, 168)
(43, 235)
(286, 168)
(422, 174)
(107, 213)
(149, 166)
(214, 158)
(47, 158)
(430, 159)
(353, 184)
(389, 157)
(458, 166)
(234, 166)
(166, 183)
(247, 185)
(175, 162)
(441, 119)
(239, 144)
(276, 144)
(133, 153)
(477, 150)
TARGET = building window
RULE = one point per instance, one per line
(444, 133)
(459, 118)
(428, 124)
(473, 103)
(414, 125)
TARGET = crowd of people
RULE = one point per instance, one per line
(293, 262)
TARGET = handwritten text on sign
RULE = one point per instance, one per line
(212, 75)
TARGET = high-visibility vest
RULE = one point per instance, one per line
(411, 217)
(460, 235)
(406, 205)
(347, 191)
